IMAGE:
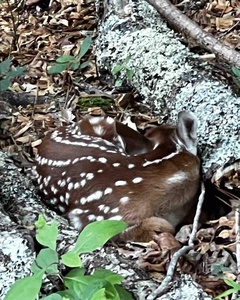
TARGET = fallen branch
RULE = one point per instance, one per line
(187, 27)
(171, 268)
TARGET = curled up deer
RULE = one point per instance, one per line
(100, 169)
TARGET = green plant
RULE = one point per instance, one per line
(236, 78)
(219, 270)
(123, 70)
(8, 73)
(101, 285)
(235, 288)
(70, 62)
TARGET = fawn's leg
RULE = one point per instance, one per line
(145, 230)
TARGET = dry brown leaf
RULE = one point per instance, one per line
(24, 139)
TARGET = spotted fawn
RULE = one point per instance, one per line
(100, 169)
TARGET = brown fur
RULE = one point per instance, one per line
(161, 201)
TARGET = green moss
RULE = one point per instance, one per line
(87, 102)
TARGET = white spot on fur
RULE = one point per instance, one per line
(67, 197)
(54, 201)
(50, 162)
(108, 191)
(83, 200)
(130, 166)
(99, 218)
(62, 183)
(102, 160)
(177, 177)
(118, 218)
(91, 217)
(75, 160)
(99, 171)
(120, 183)
(116, 165)
(76, 185)
(83, 182)
(137, 180)
(124, 200)
(54, 190)
(157, 161)
(89, 176)
(115, 210)
(95, 196)
(70, 186)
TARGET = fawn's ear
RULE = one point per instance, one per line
(187, 131)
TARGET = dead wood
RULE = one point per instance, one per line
(182, 24)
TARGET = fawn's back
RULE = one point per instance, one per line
(85, 172)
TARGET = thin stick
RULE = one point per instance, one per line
(171, 268)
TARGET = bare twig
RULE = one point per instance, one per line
(237, 231)
(188, 28)
(171, 268)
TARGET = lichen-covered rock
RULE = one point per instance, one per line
(16, 257)
(19, 209)
(171, 79)
(185, 289)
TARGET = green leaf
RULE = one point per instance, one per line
(53, 297)
(117, 69)
(26, 288)
(5, 84)
(71, 260)
(99, 295)
(129, 74)
(236, 71)
(65, 59)
(123, 294)
(84, 65)
(232, 283)
(5, 66)
(118, 83)
(47, 260)
(85, 46)
(236, 80)
(108, 275)
(226, 293)
(83, 286)
(70, 294)
(75, 65)
(57, 68)
(17, 72)
(92, 288)
(41, 222)
(76, 277)
(111, 292)
(96, 234)
(47, 235)
(127, 59)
